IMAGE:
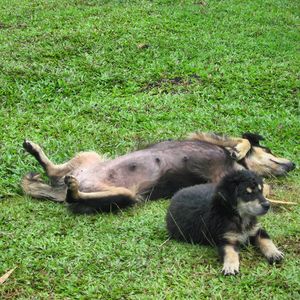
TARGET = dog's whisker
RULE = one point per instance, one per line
(178, 227)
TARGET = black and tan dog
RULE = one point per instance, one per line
(89, 183)
(224, 216)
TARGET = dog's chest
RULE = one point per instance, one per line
(247, 230)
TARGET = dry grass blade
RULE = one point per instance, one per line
(6, 275)
(281, 202)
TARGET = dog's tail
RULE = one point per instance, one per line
(34, 186)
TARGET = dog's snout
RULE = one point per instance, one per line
(265, 205)
(289, 166)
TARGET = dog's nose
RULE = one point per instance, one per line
(289, 166)
(292, 166)
(265, 205)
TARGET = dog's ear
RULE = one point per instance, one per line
(253, 138)
(227, 190)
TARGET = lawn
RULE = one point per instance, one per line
(112, 75)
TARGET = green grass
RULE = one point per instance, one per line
(73, 78)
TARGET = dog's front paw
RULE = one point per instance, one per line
(71, 182)
(230, 269)
(233, 153)
(241, 149)
(73, 186)
(275, 257)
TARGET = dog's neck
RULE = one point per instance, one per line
(241, 165)
(244, 222)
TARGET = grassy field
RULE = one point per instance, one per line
(110, 75)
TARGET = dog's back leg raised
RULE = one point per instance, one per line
(53, 171)
(33, 185)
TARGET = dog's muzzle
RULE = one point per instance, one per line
(265, 205)
(290, 166)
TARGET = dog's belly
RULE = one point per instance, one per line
(130, 172)
(160, 171)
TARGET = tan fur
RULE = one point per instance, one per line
(249, 190)
(231, 260)
(35, 187)
(264, 163)
(239, 145)
(268, 249)
(233, 237)
(108, 191)
(266, 190)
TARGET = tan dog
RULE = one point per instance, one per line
(91, 183)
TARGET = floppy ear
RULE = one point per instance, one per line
(253, 138)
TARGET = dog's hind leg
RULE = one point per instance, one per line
(238, 147)
(53, 171)
(73, 193)
(109, 199)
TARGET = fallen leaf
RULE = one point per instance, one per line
(143, 46)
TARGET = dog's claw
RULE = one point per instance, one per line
(30, 147)
(71, 182)
(73, 186)
(276, 258)
(230, 270)
(27, 145)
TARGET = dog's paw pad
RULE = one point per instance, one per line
(31, 147)
(232, 153)
(27, 145)
(34, 176)
(242, 149)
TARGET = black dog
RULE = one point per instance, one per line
(224, 216)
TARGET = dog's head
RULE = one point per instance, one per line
(262, 161)
(241, 191)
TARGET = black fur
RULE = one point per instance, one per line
(253, 138)
(108, 204)
(205, 213)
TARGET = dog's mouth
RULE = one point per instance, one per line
(262, 212)
(278, 169)
(285, 167)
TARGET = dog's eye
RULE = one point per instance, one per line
(267, 150)
(249, 190)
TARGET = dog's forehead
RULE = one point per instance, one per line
(252, 183)
(252, 188)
